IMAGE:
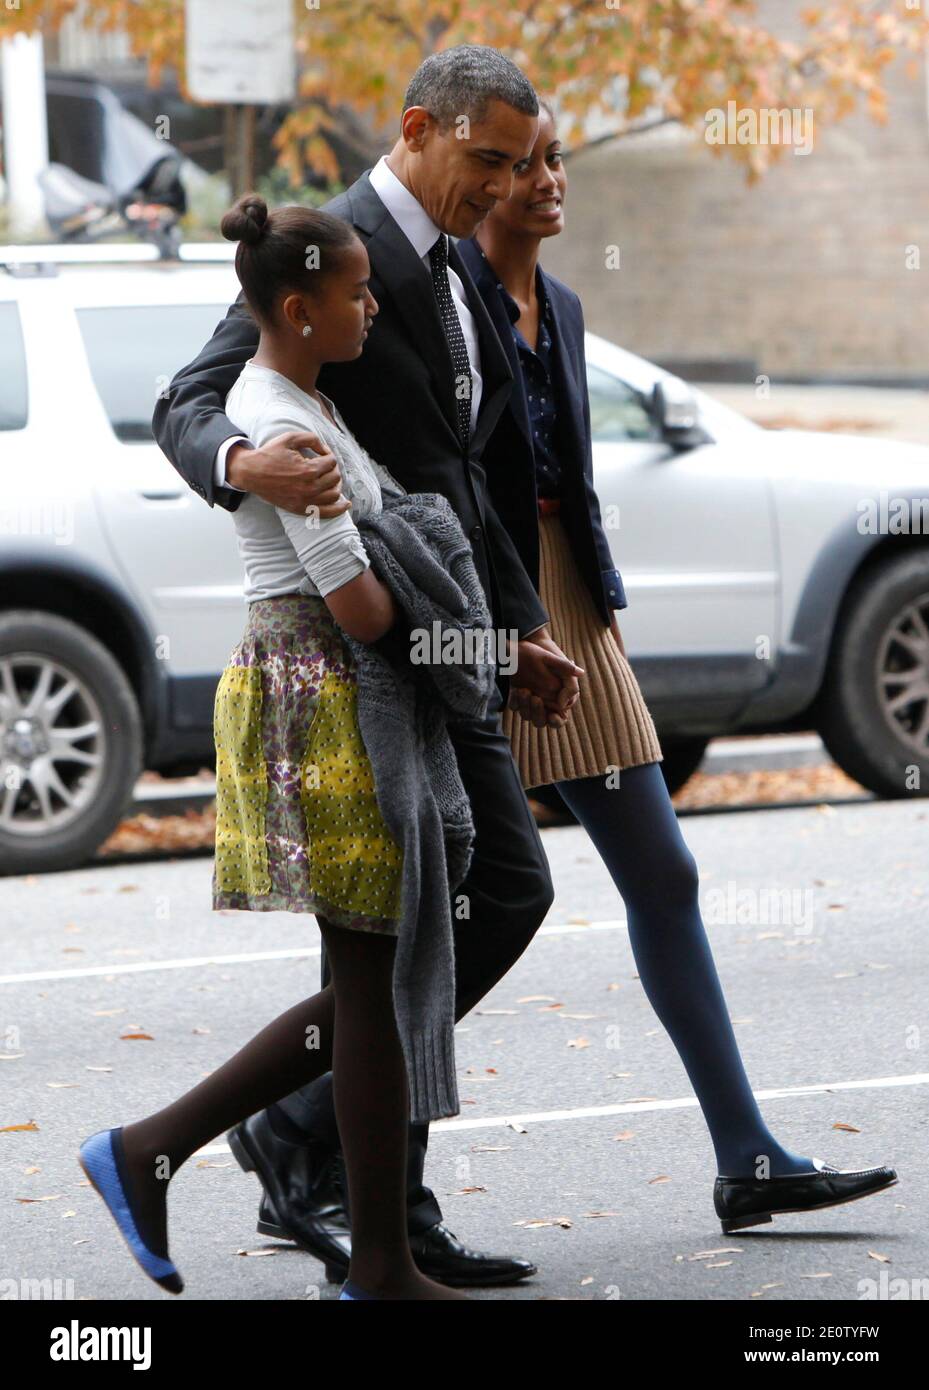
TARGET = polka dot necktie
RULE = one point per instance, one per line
(438, 259)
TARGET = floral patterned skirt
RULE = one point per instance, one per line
(298, 826)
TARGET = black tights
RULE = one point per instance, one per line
(348, 1027)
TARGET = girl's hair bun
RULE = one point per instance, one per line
(245, 220)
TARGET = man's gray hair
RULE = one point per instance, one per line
(462, 81)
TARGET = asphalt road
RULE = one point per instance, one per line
(578, 1145)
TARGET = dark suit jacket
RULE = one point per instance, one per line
(508, 458)
(398, 399)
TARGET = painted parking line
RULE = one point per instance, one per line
(89, 972)
(642, 1107)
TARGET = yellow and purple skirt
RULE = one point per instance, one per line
(298, 828)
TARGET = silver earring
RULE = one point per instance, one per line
(307, 330)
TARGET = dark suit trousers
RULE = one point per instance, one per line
(509, 891)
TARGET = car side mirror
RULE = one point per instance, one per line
(677, 413)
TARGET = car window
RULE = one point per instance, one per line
(617, 412)
(14, 396)
(135, 351)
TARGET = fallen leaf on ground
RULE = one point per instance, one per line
(563, 1221)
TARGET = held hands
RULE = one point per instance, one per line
(280, 474)
(544, 687)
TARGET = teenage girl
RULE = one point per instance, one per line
(298, 826)
(540, 468)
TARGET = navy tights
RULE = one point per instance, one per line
(636, 833)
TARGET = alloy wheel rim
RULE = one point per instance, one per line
(903, 675)
(52, 745)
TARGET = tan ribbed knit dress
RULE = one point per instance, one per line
(610, 726)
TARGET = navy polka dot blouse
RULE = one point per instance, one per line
(540, 397)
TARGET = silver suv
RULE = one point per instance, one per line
(758, 601)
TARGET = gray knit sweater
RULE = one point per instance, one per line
(419, 551)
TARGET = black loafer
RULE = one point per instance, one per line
(742, 1202)
(303, 1199)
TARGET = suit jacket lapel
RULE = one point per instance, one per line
(565, 380)
(485, 290)
(567, 387)
(396, 266)
(497, 375)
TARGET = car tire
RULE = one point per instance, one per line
(681, 758)
(44, 642)
(849, 712)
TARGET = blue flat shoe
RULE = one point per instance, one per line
(103, 1161)
(357, 1293)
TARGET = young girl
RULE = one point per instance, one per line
(544, 495)
(297, 821)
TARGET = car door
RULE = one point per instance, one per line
(692, 533)
(179, 555)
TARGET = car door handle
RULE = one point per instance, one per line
(162, 494)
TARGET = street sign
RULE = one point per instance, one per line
(241, 51)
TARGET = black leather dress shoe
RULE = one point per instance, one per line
(304, 1202)
(303, 1199)
(742, 1202)
(442, 1257)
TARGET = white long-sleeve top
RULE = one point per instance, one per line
(285, 553)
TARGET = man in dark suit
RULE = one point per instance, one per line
(423, 399)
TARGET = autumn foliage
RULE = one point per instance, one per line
(636, 61)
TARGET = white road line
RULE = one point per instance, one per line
(641, 1107)
(84, 972)
(637, 1107)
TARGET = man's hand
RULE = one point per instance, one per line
(544, 687)
(281, 475)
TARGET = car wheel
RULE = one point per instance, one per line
(682, 757)
(873, 710)
(70, 742)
